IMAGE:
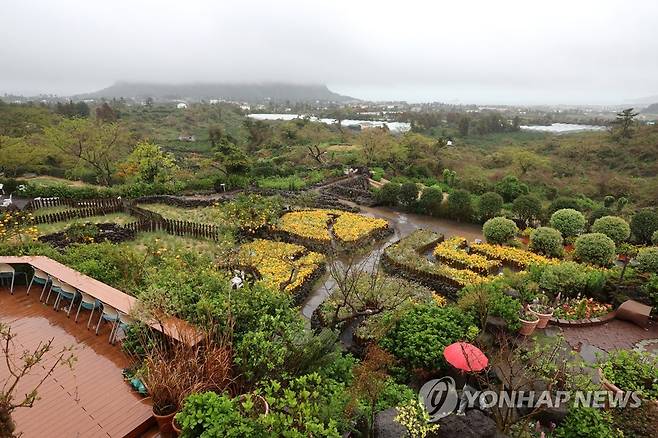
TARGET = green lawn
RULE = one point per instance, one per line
(203, 215)
(117, 218)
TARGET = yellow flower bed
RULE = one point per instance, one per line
(314, 224)
(351, 227)
(508, 254)
(280, 263)
(450, 252)
(308, 224)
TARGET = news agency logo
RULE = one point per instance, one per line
(442, 398)
(439, 397)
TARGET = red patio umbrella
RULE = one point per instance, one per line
(465, 357)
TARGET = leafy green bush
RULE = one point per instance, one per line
(292, 182)
(643, 224)
(632, 371)
(499, 230)
(595, 248)
(568, 222)
(567, 278)
(408, 195)
(654, 238)
(489, 205)
(527, 207)
(389, 194)
(460, 206)
(511, 188)
(419, 337)
(489, 299)
(431, 200)
(647, 260)
(614, 227)
(547, 241)
(563, 202)
(586, 422)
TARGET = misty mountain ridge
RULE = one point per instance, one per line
(277, 92)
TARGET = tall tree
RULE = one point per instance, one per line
(625, 124)
(97, 146)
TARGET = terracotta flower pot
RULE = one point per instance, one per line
(543, 318)
(165, 424)
(174, 425)
(527, 327)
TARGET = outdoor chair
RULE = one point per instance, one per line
(66, 292)
(125, 321)
(55, 285)
(111, 315)
(6, 202)
(6, 272)
(39, 277)
(87, 302)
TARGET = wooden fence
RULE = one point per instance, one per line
(176, 228)
(67, 215)
(37, 203)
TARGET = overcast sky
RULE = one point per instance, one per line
(556, 51)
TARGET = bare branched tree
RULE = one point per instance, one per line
(43, 358)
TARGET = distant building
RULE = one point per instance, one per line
(181, 105)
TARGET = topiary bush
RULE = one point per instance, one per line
(547, 241)
(643, 224)
(647, 260)
(489, 205)
(460, 206)
(567, 278)
(568, 222)
(499, 230)
(595, 248)
(527, 207)
(614, 227)
(419, 336)
(430, 201)
(408, 195)
(388, 194)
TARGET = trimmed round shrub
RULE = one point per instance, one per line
(614, 227)
(643, 224)
(595, 248)
(430, 201)
(647, 260)
(408, 194)
(547, 241)
(563, 202)
(654, 238)
(388, 194)
(527, 207)
(568, 222)
(460, 206)
(599, 213)
(489, 205)
(499, 230)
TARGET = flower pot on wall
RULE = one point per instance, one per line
(543, 318)
(527, 327)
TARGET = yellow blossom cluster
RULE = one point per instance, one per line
(307, 224)
(350, 227)
(282, 266)
(314, 224)
(18, 225)
(450, 252)
(507, 254)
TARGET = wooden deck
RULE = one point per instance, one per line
(90, 400)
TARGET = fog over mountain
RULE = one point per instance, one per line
(469, 51)
(277, 92)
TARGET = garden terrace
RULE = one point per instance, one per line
(319, 228)
(407, 258)
(92, 399)
(451, 252)
(518, 258)
(283, 266)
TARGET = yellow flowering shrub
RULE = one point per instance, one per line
(315, 224)
(450, 252)
(350, 227)
(16, 225)
(507, 254)
(281, 265)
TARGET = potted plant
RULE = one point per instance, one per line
(164, 387)
(528, 320)
(542, 310)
